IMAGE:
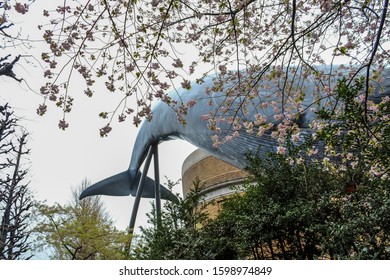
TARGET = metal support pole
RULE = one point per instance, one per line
(139, 190)
(157, 185)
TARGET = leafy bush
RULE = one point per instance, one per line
(181, 234)
(300, 211)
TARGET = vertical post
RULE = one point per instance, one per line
(139, 191)
(157, 185)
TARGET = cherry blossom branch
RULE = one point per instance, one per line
(374, 51)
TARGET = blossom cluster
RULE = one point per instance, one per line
(147, 49)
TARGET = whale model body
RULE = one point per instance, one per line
(166, 126)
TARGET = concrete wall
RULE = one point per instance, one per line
(216, 176)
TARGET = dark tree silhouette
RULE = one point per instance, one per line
(15, 199)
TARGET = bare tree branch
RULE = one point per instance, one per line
(15, 200)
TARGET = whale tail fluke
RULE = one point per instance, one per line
(124, 184)
(117, 185)
(148, 191)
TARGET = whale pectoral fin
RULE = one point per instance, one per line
(148, 191)
(117, 185)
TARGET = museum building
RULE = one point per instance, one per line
(217, 178)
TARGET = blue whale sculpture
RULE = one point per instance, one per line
(165, 126)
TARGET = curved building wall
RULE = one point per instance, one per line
(216, 178)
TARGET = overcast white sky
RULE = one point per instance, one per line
(60, 159)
